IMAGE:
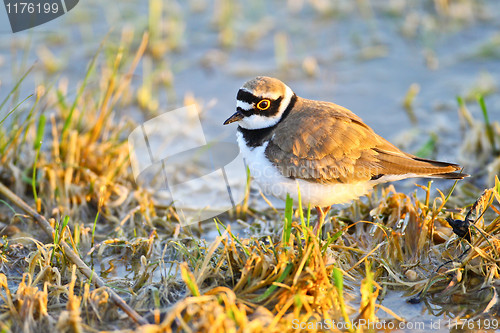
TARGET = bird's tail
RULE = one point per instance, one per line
(399, 163)
(444, 167)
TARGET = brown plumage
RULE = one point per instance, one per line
(326, 143)
(322, 148)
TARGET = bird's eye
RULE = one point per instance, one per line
(264, 104)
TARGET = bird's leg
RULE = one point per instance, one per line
(321, 218)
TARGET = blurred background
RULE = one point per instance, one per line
(399, 64)
(74, 88)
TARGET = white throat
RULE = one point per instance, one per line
(258, 121)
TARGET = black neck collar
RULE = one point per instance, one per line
(256, 137)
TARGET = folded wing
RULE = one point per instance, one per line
(332, 145)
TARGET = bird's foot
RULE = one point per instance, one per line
(321, 212)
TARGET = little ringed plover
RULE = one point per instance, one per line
(321, 149)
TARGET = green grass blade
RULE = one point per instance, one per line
(27, 123)
(93, 229)
(182, 248)
(37, 145)
(16, 87)
(451, 191)
(217, 226)
(338, 281)
(189, 279)
(271, 289)
(247, 252)
(287, 229)
(332, 239)
(61, 99)
(9, 206)
(39, 132)
(497, 184)
(14, 109)
(487, 123)
(65, 223)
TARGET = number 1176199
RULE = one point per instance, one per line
(31, 8)
(482, 324)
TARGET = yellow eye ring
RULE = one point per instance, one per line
(264, 104)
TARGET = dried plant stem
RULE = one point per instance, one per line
(70, 254)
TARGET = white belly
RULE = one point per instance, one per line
(272, 182)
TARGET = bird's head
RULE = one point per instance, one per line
(261, 103)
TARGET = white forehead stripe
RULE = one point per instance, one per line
(244, 105)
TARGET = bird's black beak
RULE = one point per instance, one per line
(237, 116)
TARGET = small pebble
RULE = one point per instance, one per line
(411, 275)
